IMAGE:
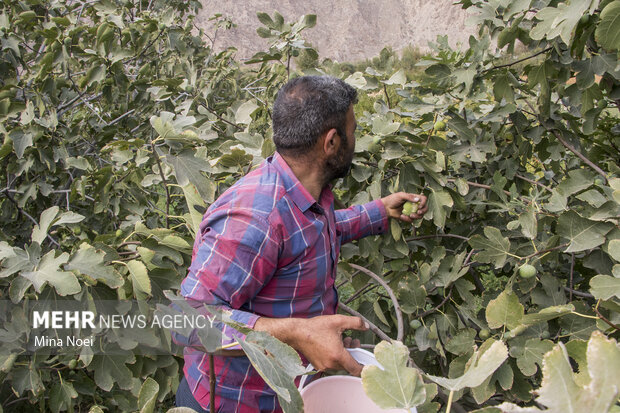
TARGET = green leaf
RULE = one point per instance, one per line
(412, 298)
(529, 224)
(187, 169)
(559, 391)
(613, 249)
(139, 277)
(530, 354)
(244, 112)
(439, 203)
(547, 314)
(110, 370)
(560, 21)
(278, 364)
(396, 385)
(61, 395)
(21, 141)
(196, 206)
(502, 89)
(176, 243)
(309, 20)
(462, 342)
(480, 367)
(604, 287)
(398, 78)
(608, 30)
(494, 248)
(147, 397)
(505, 310)
(395, 229)
(39, 232)
(582, 233)
(48, 271)
(89, 261)
(382, 126)
(265, 19)
(356, 80)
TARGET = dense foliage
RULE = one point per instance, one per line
(121, 125)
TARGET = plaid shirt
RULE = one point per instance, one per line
(267, 248)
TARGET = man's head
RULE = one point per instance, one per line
(313, 108)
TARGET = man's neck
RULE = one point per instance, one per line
(309, 174)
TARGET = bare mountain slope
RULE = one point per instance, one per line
(347, 30)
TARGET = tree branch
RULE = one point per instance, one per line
(421, 237)
(27, 215)
(517, 61)
(603, 318)
(578, 293)
(399, 314)
(533, 182)
(371, 326)
(437, 307)
(579, 154)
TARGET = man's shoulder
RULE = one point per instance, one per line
(259, 191)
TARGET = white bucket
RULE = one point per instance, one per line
(342, 394)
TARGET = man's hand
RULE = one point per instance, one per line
(319, 339)
(394, 205)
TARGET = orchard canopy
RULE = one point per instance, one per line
(120, 124)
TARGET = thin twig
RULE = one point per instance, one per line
(399, 314)
(544, 251)
(368, 287)
(387, 97)
(211, 383)
(579, 154)
(578, 293)
(570, 280)
(421, 237)
(371, 326)
(477, 185)
(221, 118)
(121, 117)
(437, 307)
(533, 182)
(27, 215)
(517, 61)
(603, 318)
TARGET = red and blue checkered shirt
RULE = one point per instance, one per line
(267, 248)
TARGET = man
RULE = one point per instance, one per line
(268, 247)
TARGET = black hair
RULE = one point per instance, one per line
(307, 107)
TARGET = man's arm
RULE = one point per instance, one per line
(317, 338)
(360, 221)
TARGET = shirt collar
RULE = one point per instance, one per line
(297, 192)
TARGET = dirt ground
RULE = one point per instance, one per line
(347, 30)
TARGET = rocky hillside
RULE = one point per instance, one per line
(347, 30)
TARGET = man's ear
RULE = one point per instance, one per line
(331, 142)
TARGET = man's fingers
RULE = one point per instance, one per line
(350, 365)
(351, 323)
(347, 342)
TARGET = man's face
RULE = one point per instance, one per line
(339, 165)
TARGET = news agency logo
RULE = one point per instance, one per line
(112, 327)
(86, 319)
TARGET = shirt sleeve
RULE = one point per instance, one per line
(234, 258)
(360, 221)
